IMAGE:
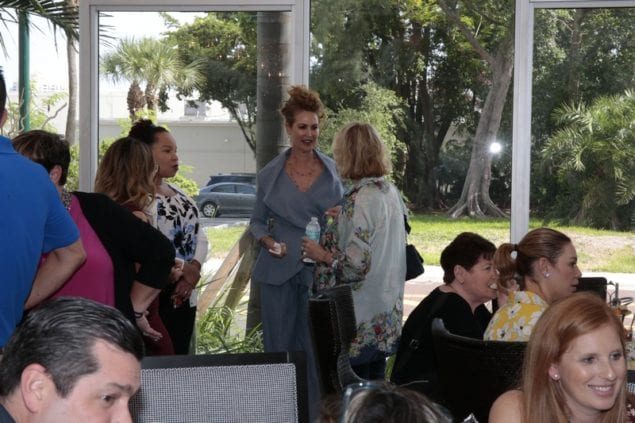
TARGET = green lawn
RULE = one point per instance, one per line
(598, 250)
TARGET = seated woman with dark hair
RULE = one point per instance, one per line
(470, 282)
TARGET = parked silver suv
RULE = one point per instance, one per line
(235, 198)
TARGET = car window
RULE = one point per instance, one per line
(245, 189)
(245, 178)
(223, 188)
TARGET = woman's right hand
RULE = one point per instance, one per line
(278, 249)
(275, 248)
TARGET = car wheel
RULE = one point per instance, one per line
(209, 209)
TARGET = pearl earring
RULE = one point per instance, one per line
(547, 275)
(556, 376)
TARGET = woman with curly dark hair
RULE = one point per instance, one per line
(177, 217)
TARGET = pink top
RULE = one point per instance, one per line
(95, 278)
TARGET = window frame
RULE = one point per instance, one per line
(89, 10)
(521, 121)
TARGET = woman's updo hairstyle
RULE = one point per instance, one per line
(145, 130)
(537, 243)
(301, 99)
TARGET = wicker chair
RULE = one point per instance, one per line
(333, 325)
(595, 284)
(472, 372)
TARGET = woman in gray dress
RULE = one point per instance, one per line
(298, 184)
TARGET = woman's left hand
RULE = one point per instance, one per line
(183, 289)
(191, 273)
(312, 249)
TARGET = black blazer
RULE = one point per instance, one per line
(128, 241)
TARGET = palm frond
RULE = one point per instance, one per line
(63, 16)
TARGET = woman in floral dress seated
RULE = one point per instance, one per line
(545, 265)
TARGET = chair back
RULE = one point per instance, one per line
(595, 284)
(472, 372)
(240, 388)
(333, 325)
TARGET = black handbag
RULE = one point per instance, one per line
(414, 261)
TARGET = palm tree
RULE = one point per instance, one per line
(62, 15)
(125, 63)
(153, 62)
(593, 156)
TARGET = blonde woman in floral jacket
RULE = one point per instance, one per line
(364, 246)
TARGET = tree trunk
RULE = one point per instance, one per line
(425, 139)
(72, 57)
(135, 99)
(573, 74)
(151, 97)
(475, 200)
(273, 71)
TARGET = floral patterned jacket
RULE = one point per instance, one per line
(368, 241)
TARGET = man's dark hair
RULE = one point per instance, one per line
(388, 403)
(3, 92)
(465, 250)
(60, 335)
(45, 148)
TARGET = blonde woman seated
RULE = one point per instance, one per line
(574, 369)
(545, 265)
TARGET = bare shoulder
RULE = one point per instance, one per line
(507, 408)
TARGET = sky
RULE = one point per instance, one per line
(48, 53)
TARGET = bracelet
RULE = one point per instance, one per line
(137, 314)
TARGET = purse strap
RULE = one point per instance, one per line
(406, 224)
(415, 342)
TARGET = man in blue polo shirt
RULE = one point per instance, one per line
(33, 221)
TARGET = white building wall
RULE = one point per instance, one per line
(211, 142)
(209, 147)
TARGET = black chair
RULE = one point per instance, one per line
(254, 387)
(472, 372)
(595, 284)
(333, 325)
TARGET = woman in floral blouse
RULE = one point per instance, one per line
(177, 217)
(364, 246)
(546, 265)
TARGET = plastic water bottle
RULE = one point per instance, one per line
(312, 232)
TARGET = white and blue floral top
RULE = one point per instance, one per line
(368, 241)
(515, 320)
